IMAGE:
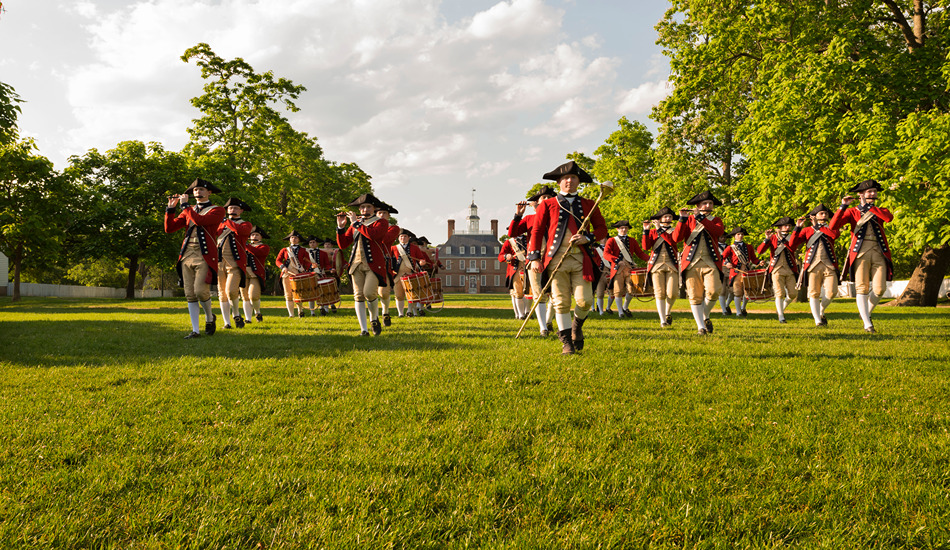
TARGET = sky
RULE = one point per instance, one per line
(433, 99)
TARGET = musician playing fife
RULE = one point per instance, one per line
(513, 253)
(821, 264)
(664, 274)
(559, 220)
(739, 257)
(232, 260)
(869, 257)
(367, 234)
(781, 243)
(521, 226)
(257, 253)
(700, 261)
(198, 260)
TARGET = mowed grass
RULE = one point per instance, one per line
(447, 432)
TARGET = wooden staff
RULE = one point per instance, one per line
(606, 188)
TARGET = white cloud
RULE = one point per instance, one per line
(641, 99)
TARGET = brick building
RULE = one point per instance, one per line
(471, 259)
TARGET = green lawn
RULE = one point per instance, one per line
(447, 432)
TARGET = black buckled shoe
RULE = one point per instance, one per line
(565, 337)
(260, 318)
(332, 309)
(364, 333)
(210, 326)
(824, 321)
(422, 312)
(709, 325)
(239, 322)
(387, 320)
(701, 332)
(191, 335)
(669, 320)
(377, 327)
(577, 333)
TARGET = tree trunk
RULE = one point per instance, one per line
(923, 289)
(130, 285)
(17, 261)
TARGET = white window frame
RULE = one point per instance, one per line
(484, 264)
(448, 280)
(472, 250)
(462, 265)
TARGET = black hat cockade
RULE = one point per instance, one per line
(294, 233)
(820, 208)
(238, 202)
(261, 231)
(368, 198)
(866, 185)
(203, 183)
(622, 223)
(663, 212)
(784, 220)
(737, 230)
(704, 196)
(569, 167)
(544, 191)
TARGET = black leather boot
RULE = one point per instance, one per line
(565, 337)
(577, 334)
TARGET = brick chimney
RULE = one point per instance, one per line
(494, 228)
(451, 228)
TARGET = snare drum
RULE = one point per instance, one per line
(757, 284)
(327, 292)
(436, 286)
(639, 278)
(303, 286)
(417, 287)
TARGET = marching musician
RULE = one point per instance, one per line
(603, 287)
(256, 272)
(386, 288)
(739, 257)
(619, 252)
(820, 264)
(521, 225)
(292, 260)
(725, 297)
(700, 261)
(197, 264)
(781, 242)
(559, 221)
(367, 233)
(662, 265)
(319, 264)
(869, 262)
(336, 263)
(408, 258)
(514, 254)
(233, 232)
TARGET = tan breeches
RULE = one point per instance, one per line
(252, 290)
(602, 284)
(229, 282)
(783, 283)
(622, 283)
(365, 283)
(702, 283)
(569, 281)
(870, 272)
(666, 283)
(535, 278)
(517, 288)
(822, 275)
(398, 289)
(194, 273)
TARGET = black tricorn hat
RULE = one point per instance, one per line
(662, 212)
(865, 185)
(423, 240)
(784, 220)
(404, 231)
(260, 230)
(238, 202)
(704, 196)
(326, 241)
(294, 233)
(203, 183)
(387, 207)
(819, 208)
(313, 238)
(622, 223)
(368, 198)
(738, 229)
(545, 190)
(569, 167)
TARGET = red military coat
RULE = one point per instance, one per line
(613, 254)
(709, 237)
(650, 240)
(851, 216)
(520, 225)
(257, 259)
(556, 220)
(284, 258)
(414, 253)
(202, 223)
(320, 261)
(772, 243)
(514, 265)
(374, 238)
(738, 254)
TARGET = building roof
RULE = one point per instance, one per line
(462, 239)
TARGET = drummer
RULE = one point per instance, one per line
(320, 264)
(336, 263)
(292, 260)
(367, 233)
(513, 254)
(619, 252)
(407, 259)
(739, 257)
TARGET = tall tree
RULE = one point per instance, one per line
(127, 189)
(9, 110)
(34, 207)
